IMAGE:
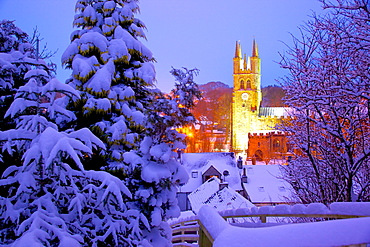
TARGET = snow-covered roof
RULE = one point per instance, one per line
(265, 186)
(274, 111)
(210, 194)
(198, 163)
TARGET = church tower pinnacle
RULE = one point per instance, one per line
(255, 60)
(238, 50)
(254, 49)
(238, 60)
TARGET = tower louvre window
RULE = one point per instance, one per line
(242, 84)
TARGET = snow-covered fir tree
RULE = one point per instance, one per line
(115, 75)
(51, 200)
(17, 57)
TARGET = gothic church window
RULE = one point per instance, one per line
(248, 84)
(276, 145)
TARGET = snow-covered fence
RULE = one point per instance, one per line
(336, 210)
(215, 231)
(186, 232)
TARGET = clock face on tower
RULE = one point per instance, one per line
(245, 96)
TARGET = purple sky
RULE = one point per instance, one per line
(184, 33)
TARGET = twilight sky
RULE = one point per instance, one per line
(184, 33)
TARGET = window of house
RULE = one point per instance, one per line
(281, 188)
(211, 176)
(261, 189)
(194, 174)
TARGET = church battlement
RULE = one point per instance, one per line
(268, 133)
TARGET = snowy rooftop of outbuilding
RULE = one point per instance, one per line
(265, 185)
(210, 194)
(198, 163)
(274, 111)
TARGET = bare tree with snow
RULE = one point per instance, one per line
(328, 88)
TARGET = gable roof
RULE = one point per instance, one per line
(210, 194)
(209, 168)
(265, 184)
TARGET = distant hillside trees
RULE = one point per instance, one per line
(328, 87)
(213, 116)
(215, 105)
(272, 96)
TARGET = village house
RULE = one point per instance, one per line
(216, 179)
(203, 166)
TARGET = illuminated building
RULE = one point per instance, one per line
(248, 116)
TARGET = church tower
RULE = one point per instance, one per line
(247, 96)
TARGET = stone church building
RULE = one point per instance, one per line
(253, 133)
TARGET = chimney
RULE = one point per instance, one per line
(244, 177)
